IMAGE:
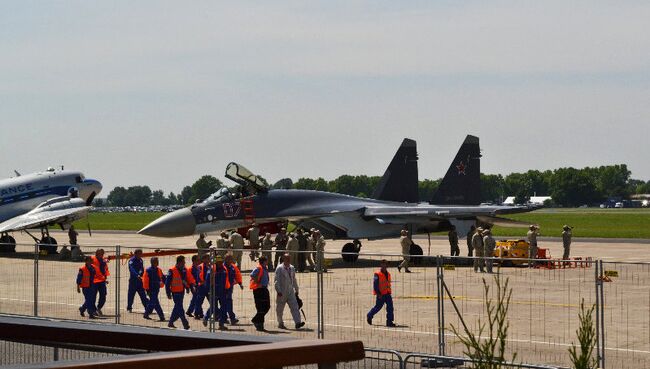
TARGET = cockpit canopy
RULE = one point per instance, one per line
(222, 195)
(245, 177)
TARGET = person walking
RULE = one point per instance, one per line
(405, 242)
(470, 249)
(201, 288)
(253, 236)
(267, 249)
(280, 244)
(85, 283)
(176, 285)
(488, 249)
(381, 288)
(453, 241)
(319, 246)
(136, 270)
(286, 287)
(195, 271)
(237, 244)
(477, 245)
(532, 234)
(101, 265)
(152, 281)
(566, 242)
(234, 277)
(218, 302)
(259, 284)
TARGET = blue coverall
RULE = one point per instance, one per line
(380, 301)
(89, 292)
(220, 295)
(195, 295)
(154, 290)
(178, 312)
(136, 269)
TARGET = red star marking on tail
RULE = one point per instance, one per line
(461, 168)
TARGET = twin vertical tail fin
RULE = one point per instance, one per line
(400, 181)
(462, 183)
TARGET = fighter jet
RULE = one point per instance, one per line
(395, 207)
(43, 199)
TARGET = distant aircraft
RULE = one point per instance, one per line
(42, 199)
(395, 205)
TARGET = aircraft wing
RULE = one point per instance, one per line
(418, 214)
(60, 210)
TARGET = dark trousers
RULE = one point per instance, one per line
(220, 311)
(201, 293)
(229, 305)
(178, 312)
(135, 286)
(262, 304)
(101, 290)
(302, 261)
(89, 300)
(379, 303)
(192, 307)
(154, 304)
(278, 256)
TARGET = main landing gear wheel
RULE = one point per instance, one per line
(350, 251)
(7, 243)
(416, 251)
(48, 244)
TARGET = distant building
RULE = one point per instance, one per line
(534, 200)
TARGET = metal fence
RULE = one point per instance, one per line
(441, 292)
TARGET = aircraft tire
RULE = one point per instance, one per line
(350, 253)
(48, 244)
(415, 250)
(8, 243)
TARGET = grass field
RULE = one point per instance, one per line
(604, 223)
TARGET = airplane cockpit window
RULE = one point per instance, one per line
(79, 179)
(245, 177)
(223, 195)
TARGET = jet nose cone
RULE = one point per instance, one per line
(175, 224)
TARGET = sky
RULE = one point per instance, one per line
(160, 93)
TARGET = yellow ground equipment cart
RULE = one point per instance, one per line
(512, 249)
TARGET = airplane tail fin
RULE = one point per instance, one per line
(400, 181)
(462, 183)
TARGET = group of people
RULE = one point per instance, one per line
(92, 281)
(301, 243)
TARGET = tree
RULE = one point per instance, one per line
(492, 187)
(117, 197)
(185, 196)
(426, 189)
(158, 197)
(283, 184)
(138, 196)
(172, 199)
(573, 187)
(611, 180)
(204, 187)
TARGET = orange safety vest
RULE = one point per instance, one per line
(255, 284)
(99, 277)
(227, 286)
(201, 274)
(384, 284)
(190, 277)
(145, 279)
(85, 277)
(237, 274)
(177, 284)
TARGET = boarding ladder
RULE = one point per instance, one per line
(249, 211)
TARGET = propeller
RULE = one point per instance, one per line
(90, 199)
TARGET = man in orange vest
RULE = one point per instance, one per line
(218, 304)
(85, 282)
(152, 280)
(201, 288)
(101, 265)
(259, 284)
(382, 289)
(234, 277)
(177, 284)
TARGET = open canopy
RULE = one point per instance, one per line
(245, 177)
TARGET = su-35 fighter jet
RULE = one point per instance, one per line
(395, 204)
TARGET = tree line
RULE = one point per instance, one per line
(567, 187)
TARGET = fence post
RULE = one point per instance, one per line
(320, 295)
(56, 354)
(213, 302)
(117, 283)
(602, 317)
(439, 306)
(598, 282)
(36, 255)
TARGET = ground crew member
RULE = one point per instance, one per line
(406, 243)
(176, 285)
(267, 246)
(477, 245)
(223, 244)
(259, 284)
(85, 283)
(453, 241)
(566, 241)
(292, 246)
(101, 265)
(237, 244)
(72, 237)
(253, 235)
(152, 282)
(311, 247)
(202, 290)
(488, 249)
(286, 287)
(64, 253)
(194, 271)
(532, 244)
(319, 245)
(381, 288)
(280, 245)
(471, 232)
(302, 247)
(136, 270)
(202, 245)
(234, 277)
(218, 305)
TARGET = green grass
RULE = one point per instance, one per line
(117, 221)
(605, 223)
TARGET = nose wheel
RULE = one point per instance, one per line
(48, 244)
(7, 243)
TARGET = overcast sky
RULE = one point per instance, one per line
(160, 93)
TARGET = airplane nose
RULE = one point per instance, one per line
(94, 185)
(175, 224)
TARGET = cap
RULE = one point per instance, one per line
(487, 230)
(480, 229)
(566, 227)
(532, 226)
